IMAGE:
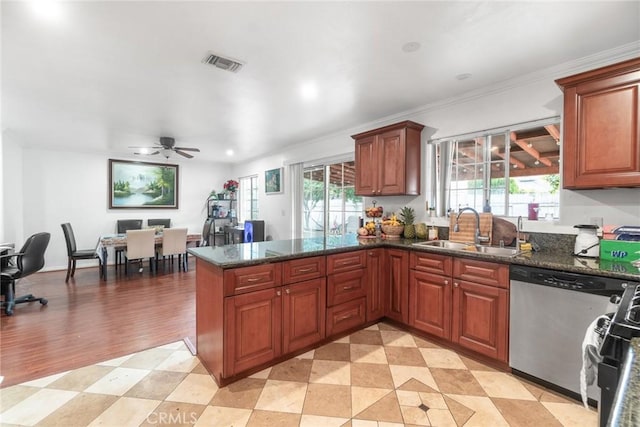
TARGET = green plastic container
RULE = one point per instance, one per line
(619, 250)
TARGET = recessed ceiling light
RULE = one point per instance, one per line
(144, 150)
(463, 76)
(410, 47)
(309, 91)
(229, 152)
(49, 10)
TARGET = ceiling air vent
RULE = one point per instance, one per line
(223, 63)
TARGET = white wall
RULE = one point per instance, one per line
(49, 188)
(524, 99)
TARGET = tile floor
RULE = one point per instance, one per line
(379, 376)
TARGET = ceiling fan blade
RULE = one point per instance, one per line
(187, 149)
(182, 153)
(148, 154)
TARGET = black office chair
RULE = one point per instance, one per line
(29, 260)
(166, 223)
(206, 232)
(74, 254)
(122, 226)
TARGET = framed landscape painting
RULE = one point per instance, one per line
(273, 181)
(142, 185)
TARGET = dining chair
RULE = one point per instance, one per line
(122, 225)
(174, 242)
(74, 254)
(207, 235)
(165, 222)
(29, 260)
(141, 244)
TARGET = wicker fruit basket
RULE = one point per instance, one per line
(392, 231)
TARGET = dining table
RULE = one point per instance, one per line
(119, 241)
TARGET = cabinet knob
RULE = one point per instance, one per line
(456, 284)
(446, 282)
(287, 291)
(278, 293)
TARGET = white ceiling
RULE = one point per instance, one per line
(102, 76)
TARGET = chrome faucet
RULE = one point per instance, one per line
(518, 231)
(477, 238)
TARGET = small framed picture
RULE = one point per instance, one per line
(273, 181)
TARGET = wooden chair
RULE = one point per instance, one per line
(140, 244)
(174, 242)
(73, 253)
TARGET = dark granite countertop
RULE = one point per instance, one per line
(626, 409)
(231, 256)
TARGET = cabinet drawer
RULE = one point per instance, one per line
(345, 262)
(431, 263)
(345, 316)
(343, 287)
(249, 279)
(298, 270)
(487, 273)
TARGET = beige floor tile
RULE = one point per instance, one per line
(319, 421)
(366, 337)
(157, 385)
(371, 375)
(408, 398)
(195, 388)
(147, 359)
(373, 327)
(264, 374)
(36, 407)
(273, 419)
(328, 400)
(551, 396)
(385, 409)
(80, 379)
(363, 397)
(384, 326)
(474, 365)
(402, 374)
(422, 343)
(292, 370)
(457, 381)
(525, 413)
(199, 369)
(308, 355)
(330, 372)
(414, 415)
(118, 381)
(442, 418)
(117, 361)
(216, 416)
(433, 400)
(282, 396)
(442, 358)
(397, 339)
(364, 423)
(364, 353)
(10, 396)
(45, 381)
(485, 412)
(125, 412)
(174, 414)
(415, 385)
(460, 412)
(500, 384)
(571, 414)
(404, 356)
(177, 345)
(179, 361)
(80, 410)
(240, 394)
(343, 340)
(386, 424)
(333, 351)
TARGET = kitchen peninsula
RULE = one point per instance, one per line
(260, 303)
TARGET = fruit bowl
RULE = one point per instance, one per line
(374, 212)
(392, 231)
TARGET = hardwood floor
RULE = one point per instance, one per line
(88, 320)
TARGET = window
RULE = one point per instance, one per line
(330, 205)
(248, 199)
(509, 170)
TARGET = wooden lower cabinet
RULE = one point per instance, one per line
(346, 316)
(375, 284)
(397, 285)
(480, 319)
(303, 321)
(253, 330)
(430, 303)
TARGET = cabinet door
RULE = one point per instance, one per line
(430, 303)
(480, 318)
(601, 133)
(392, 172)
(253, 330)
(304, 313)
(397, 278)
(367, 166)
(375, 284)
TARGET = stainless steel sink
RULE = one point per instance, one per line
(468, 247)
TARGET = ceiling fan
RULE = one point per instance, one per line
(165, 147)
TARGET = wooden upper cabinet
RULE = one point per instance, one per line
(601, 130)
(388, 160)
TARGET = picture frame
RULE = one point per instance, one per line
(273, 183)
(142, 185)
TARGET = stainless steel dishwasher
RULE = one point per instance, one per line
(550, 312)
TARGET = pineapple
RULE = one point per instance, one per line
(408, 216)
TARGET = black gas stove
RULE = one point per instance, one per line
(617, 334)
